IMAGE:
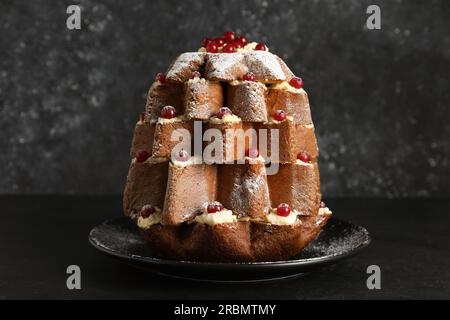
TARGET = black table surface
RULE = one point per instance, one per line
(42, 235)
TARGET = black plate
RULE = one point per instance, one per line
(338, 240)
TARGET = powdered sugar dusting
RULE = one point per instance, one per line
(250, 192)
(232, 66)
(184, 65)
(265, 64)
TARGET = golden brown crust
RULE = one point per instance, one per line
(295, 104)
(203, 99)
(297, 184)
(292, 139)
(143, 177)
(144, 133)
(163, 144)
(247, 100)
(188, 188)
(184, 66)
(161, 95)
(233, 66)
(235, 141)
(244, 189)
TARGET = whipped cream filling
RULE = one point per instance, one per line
(286, 87)
(197, 80)
(250, 47)
(190, 161)
(172, 120)
(301, 163)
(325, 211)
(224, 216)
(225, 118)
(145, 223)
(274, 218)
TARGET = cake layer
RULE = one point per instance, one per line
(243, 188)
(185, 65)
(247, 99)
(203, 98)
(234, 139)
(297, 184)
(251, 101)
(233, 66)
(243, 241)
(161, 95)
(143, 136)
(292, 140)
(293, 101)
(189, 186)
(165, 128)
(146, 184)
(266, 66)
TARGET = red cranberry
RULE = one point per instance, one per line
(142, 155)
(147, 211)
(183, 155)
(296, 82)
(304, 156)
(252, 153)
(161, 77)
(211, 47)
(249, 76)
(242, 40)
(196, 74)
(214, 207)
(168, 112)
(223, 111)
(283, 209)
(261, 46)
(142, 116)
(229, 36)
(205, 42)
(229, 48)
(237, 45)
(322, 204)
(279, 115)
(219, 41)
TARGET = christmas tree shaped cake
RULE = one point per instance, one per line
(228, 207)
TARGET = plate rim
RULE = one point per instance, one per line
(314, 261)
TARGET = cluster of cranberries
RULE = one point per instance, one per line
(228, 43)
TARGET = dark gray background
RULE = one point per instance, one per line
(69, 99)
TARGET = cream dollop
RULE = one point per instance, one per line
(286, 87)
(225, 118)
(145, 223)
(172, 120)
(274, 218)
(223, 216)
(325, 211)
